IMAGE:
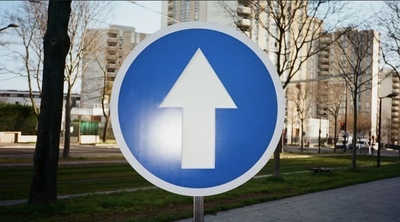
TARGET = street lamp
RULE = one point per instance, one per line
(391, 95)
(12, 25)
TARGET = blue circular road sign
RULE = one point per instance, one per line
(197, 108)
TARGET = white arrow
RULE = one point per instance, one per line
(199, 92)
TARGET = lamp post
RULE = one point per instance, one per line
(12, 25)
(391, 95)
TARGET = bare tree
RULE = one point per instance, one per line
(389, 21)
(334, 103)
(293, 29)
(84, 13)
(31, 18)
(45, 163)
(104, 86)
(301, 95)
(356, 66)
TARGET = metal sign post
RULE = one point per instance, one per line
(198, 209)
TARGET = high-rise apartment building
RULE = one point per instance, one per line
(197, 10)
(259, 25)
(390, 83)
(254, 21)
(107, 50)
(356, 56)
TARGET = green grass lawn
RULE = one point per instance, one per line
(159, 205)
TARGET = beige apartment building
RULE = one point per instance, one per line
(245, 17)
(319, 72)
(355, 56)
(103, 59)
(390, 83)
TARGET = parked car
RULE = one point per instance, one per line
(340, 145)
(362, 144)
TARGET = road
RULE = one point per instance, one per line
(12, 150)
(27, 150)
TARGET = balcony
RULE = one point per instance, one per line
(111, 74)
(244, 2)
(112, 33)
(170, 22)
(324, 61)
(111, 48)
(111, 57)
(323, 72)
(244, 11)
(323, 66)
(325, 40)
(111, 40)
(324, 53)
(111, 66)
(244, 23)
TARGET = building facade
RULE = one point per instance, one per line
(390, 83)
(351, 64)
(254, 21)
(106, 50)
(319, 76)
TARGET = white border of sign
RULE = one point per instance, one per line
(185, 190)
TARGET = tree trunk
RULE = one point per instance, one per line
(43, 188)
(301, 136)
(67, 134)
(277, 165)
(335, 135)
(354, 142)
(106, 124)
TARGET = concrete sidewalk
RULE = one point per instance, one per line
(368, 202)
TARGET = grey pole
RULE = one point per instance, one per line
(391, 95)
(198, 209)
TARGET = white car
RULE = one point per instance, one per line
(362, 144)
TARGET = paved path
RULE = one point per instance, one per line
(368, 202)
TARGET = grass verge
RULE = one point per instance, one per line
(159, 205)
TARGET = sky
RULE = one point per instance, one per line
(143, 16)
(140, 15)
